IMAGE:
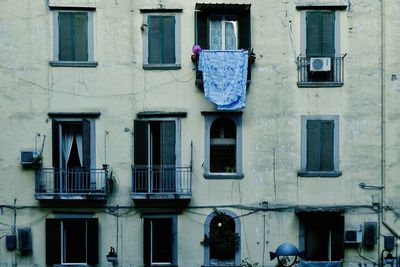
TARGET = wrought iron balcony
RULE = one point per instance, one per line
(329, 74)
(71, 184)
(161, 182)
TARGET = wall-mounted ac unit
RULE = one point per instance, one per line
(27, 157)
(353, 236)
(320, 64)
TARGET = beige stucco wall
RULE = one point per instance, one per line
(119, 88)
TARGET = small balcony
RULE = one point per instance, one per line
(161, 185)
(71, 184)
(313, 72)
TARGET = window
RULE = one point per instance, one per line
(320, 62)
(222, 239)
(72, 241)
(73, 38)
(321, 236)
(223, 145)
(156, 155)
(160, 240)
(223, 26)
(161, 39)
(73, 155)
(320, 148)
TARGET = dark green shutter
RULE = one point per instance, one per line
(53, 241)
(327, 146)
(201, 29)
(244, 30)
(140, 142)
(146, 241)
(313, 145)
(56, 144)
(93, 241)
(168, 143)
(73, 32)
(86, 143)
(320, 33)
(81, 36)
(168, 37)
(154, 39)
(65, 34)
(313, 29)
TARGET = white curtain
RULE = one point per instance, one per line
(216, 35)
(78, 138)
(230, 36)
(67, 140)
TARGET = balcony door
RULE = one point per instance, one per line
(155, 156)
(71, 156)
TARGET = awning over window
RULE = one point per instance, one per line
(225, 7)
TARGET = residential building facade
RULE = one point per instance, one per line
(184, 133)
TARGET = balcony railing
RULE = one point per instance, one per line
(162, 180)
(331, 76)
(70, 183)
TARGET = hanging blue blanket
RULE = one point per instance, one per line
(225, 77)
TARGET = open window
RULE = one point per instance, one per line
(72, 241)
(160, 240)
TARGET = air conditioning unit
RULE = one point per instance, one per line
(353, 236)
(27, 157)
(320, 64)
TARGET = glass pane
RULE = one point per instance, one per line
(216, 35)
(230, 35)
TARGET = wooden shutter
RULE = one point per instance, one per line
(141, 142)
(53, 241)
(313, 145)
(168, 143)
(146, 241)
(80, 37)
(320, 33)
(168, 37)
(201, 29)
(65, 33)
(56, 144)
(92, 241)
(244, 30)
(327, 146)
(313, 31)
(154, 39)
(337, 243)
(328, 33)
(86, 143)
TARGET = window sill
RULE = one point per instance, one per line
(161, 66)
(319, 174)
(319, 84)
(83, 64)
(223, 175)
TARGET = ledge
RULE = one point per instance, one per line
(223, 176)
(73, 114)
(161, 114)
(220, 112)
(319, 174)
(81, 64)
(319, 84)
(161, 66)
(161, 10)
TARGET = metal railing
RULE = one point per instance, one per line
(56, 181)
(162, 179)
(332, 77)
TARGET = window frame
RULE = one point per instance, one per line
(303, 162)
(207, 227)
(223, 19)
(54, 239)
(147, 260)
(56, 62)
(145, 29)
(209, 118)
